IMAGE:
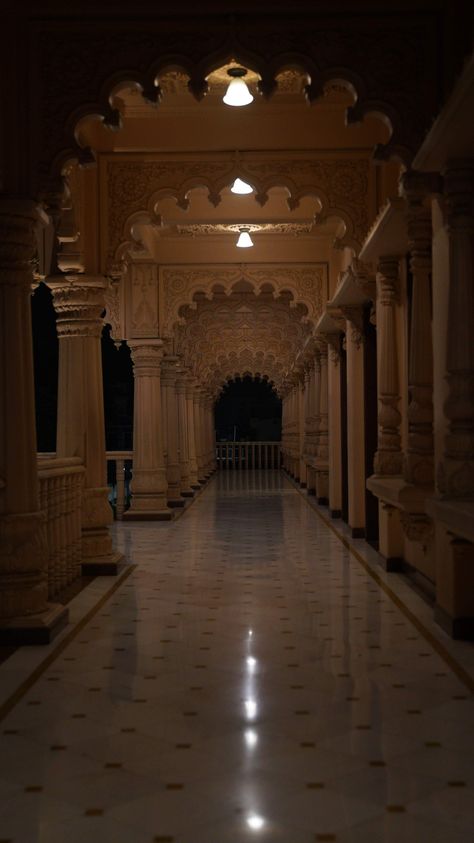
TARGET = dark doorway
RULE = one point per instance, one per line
(248, 410)
(117, 372)
(45, 358)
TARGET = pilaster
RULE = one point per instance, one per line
(455, 474)
(388, 458)
(181, 385)
(169, 374)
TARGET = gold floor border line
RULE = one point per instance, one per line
(460, 672)
(28, 683)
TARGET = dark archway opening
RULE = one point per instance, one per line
(248, 410)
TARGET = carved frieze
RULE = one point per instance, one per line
(135, 186)
(144, 307)
(307, 284)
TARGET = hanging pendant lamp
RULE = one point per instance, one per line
(245, 240)
(237, 93)
(241, 187)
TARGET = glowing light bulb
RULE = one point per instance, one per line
(251, 662)
(237, 93)
(244, 241)
(250, 709)
(251, 738)
(241, 187)
(255, 822)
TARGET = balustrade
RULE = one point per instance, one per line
(248, 455)
(60, 492)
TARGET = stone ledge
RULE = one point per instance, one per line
(456, 514)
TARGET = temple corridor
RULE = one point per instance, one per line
(248, 677)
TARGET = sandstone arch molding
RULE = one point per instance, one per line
(307, 283)
(76, 66)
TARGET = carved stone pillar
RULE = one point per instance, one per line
(334, 425)
(149, 483)
(322, 479)
(79, 301)
(388, 458)
(25, 614)
(197, 398)
(418, 468)
(193, 467)
(169, 373)
(186, 490)
(455, 475)
(308, 381)
(355, 419)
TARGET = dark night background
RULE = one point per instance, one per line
(251, 405)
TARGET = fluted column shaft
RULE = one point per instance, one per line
(455, 474)
(186, 490)
(79, 301)
(198, 434)
(169, 375)
(23, 546)
(388, 458)
(193, 468)
(149, 484)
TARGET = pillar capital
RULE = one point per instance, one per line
(169, 369)
(146, 356)
(459, 190)
(79, 301)
(388, 278)
(354, 313)
(18, 221)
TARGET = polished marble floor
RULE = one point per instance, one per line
(249, 680)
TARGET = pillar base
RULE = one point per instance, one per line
(322, 501)
(148, 515)
(393, 564)
(358, 532)
(459, 628)
(335, 513)
(187, 493)
(103, 566)
(34, 629)
(175, 503)
(196, 486)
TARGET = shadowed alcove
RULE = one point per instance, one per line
(248, 409)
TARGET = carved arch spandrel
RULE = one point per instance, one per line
(307, 283)
(76, 66)
(241, 333)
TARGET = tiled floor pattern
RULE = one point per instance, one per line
(248, 682)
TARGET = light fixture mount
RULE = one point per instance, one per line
(236, 72)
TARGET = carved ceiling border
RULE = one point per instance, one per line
(388, 60)
(134, 187)
(307, 283)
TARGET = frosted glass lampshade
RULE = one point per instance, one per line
(244, 241)
(241, 187)
(237, 93)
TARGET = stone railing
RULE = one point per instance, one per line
(248, 455)
(60, 490)
(119, 475)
